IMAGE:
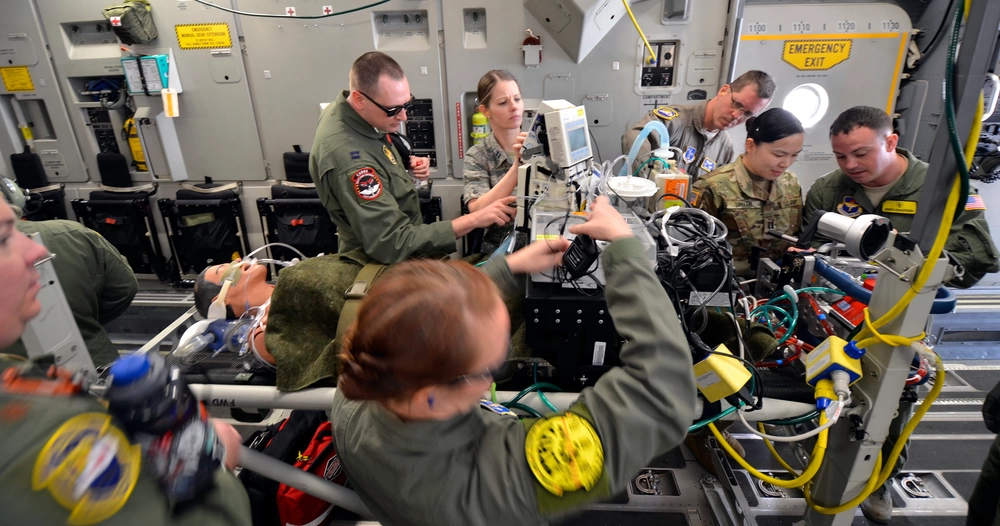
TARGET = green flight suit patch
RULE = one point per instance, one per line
(665, 112)
(689, 154)
(849, 207)
(388, 154)
(367, 184)
(89, 468)
(708, 165)
(570, 471)
(900, 207)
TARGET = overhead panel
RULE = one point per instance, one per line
(31, 106)
(294, 66)
(825, 58)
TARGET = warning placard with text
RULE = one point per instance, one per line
(816, 55)
(203, 36)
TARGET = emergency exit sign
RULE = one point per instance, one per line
(816, 55)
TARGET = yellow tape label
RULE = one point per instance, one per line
(900, 207)
(816, 55)
(17, 78)
(543, 237)
(203, 36)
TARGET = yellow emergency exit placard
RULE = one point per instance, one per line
(203, 36)
(816, 55)
(17, 79)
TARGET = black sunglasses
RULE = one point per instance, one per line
(394, 110)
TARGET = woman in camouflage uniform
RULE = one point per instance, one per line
(757, 193)
(491, 166)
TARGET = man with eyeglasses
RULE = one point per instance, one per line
(361, 179)
(97, 280)
(697, 130)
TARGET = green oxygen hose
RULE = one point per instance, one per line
(949, 105)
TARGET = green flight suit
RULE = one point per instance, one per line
(700, 154)
(98, 282)
(26, 424)
(367, 191)
(969, 241)
(473, 469)
(748, 211)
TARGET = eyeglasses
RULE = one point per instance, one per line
(393, 110)
(738, 106)
(48, 257)
(504, 372)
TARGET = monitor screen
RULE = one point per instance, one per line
(577, 139)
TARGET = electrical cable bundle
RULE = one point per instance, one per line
(695, 243)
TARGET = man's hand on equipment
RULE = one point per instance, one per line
(538, 257)
(603, 222)
(420, 167)
(499, 212)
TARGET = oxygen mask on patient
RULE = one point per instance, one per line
(234, 298)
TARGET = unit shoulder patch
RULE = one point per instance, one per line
(89, 468)
(367, 184)
(708, 165)
(666, 112)
(564, 453)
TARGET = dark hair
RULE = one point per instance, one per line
(763, 82)
(368, 68)
(416, 327)
(489, 81)
(773, 125)
(205, 292)
(861, 116)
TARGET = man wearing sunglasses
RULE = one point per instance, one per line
(361, 178)
(696, 130)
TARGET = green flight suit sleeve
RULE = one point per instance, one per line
(499, 271)
(644, 407)
(970, 243)
(386, 233)
(118, 284)
(32, 420)
(818, 198)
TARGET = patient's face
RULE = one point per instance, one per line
(250, 290)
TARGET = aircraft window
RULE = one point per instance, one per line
(808, 102)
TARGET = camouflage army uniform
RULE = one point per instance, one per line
(485, 164)
(365, 188)
(969, 241)
(699, 154)
(748, 212)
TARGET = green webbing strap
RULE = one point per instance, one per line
(353, 296)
